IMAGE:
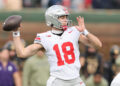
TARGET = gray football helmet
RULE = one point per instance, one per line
(52, 14)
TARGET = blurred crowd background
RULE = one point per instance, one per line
(73, 4)
(98, 66)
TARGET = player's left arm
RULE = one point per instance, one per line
(90, 40)
(87, 38)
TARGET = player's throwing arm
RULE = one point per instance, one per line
(12, 23)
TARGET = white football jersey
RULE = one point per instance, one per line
(116, 81)
(62, 52)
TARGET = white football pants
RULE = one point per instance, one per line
(53, 81)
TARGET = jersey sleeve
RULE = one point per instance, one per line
(40, 39)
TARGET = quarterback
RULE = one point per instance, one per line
(61, 45)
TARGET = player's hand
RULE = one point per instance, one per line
(81, 25)
(17, 29)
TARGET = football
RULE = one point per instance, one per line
(12, 23)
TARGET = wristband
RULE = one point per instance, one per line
(16, 33)
(85, 32)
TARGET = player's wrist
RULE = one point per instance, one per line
(16, 33)
(85, 32)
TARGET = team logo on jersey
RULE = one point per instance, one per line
(37, 38)
(48, 35)
(70, 32)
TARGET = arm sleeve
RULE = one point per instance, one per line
(40, 39)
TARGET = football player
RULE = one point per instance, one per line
(61, 45)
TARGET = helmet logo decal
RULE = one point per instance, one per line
(66, 11)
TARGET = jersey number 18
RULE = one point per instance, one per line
(66, 53)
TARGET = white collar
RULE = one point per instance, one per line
(57, 31)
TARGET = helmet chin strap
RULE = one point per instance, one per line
(58, 31)
(65, 27)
